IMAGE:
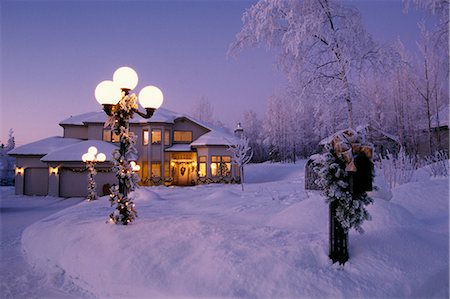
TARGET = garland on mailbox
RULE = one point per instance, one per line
(334, 168)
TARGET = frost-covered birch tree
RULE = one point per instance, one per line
(254, 132)
(321, 43)
(241, 154)
(203, 110)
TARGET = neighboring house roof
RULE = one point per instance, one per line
(74, 152)
(43, 146)
(443, 118)
(215, 138)
(179, 148)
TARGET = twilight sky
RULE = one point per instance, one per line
(54, 53)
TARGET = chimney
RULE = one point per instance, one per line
(238, 131)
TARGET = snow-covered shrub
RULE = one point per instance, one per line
(437, 164)
(397, 170)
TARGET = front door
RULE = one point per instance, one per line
(183, 174)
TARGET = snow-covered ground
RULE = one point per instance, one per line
(269, 241)
(17, 278)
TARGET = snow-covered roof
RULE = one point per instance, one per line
(216, 137)
(443, 117)
(179, 148)
(73, 152)
(161, 115)
(80, 119)
(43, 146)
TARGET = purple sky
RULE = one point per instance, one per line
(54, 53)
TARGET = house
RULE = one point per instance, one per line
(173, 149)
(439, 133)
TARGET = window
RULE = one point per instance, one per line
(182, 136)
(145, 137)
(166, 137)
(202, 166)
(156, 136)
(144, 170)
(167, 173)
(109, 136)
(156, 169)
(221, 166)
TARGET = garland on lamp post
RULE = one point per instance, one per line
(90, 158)
(120, 106)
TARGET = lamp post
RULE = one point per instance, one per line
(90, 158)
(120, 106)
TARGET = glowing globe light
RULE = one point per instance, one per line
(101, 157)
(108, 93)
(151, 97)
(92, 150)
(125, 77)
(84, 157)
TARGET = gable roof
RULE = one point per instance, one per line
(43, 146)
(73, 152)
(216, 137)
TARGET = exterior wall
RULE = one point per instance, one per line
(29, 166)
(151, 153)
(72, 131)
(183, 124)
(95, 131)
(210, 151)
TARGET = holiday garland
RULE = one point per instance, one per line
(92, 194)
(125, 211)
(335, 168)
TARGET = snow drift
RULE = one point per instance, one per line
(270, 241)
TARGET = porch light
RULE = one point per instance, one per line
(19, 170)
(135, 167)
(53, 170)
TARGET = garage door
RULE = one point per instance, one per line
(75, 184)
(72, 184)
(36, 181)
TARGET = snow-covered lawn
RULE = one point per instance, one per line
(269, 241)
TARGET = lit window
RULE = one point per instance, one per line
(182, 136)
(145, 137)
(156, 136)
(221, 166)
(202, 166)
(109, 136)
(167, 170)
(156, 169)
(166, 137)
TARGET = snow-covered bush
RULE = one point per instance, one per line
(437, 164)
(397, 170)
